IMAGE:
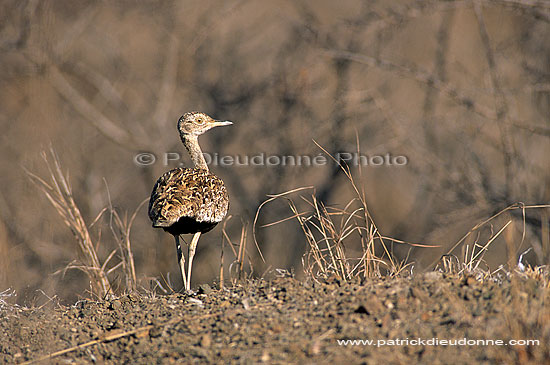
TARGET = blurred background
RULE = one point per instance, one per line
(461, 88)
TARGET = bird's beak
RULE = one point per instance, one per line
(220, 123)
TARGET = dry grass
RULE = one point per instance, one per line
(330, 233)
(237, 270)
(328, 230)
(471, 261)
(530, 285)
(120, 228)
(59, 193)
(5, 296)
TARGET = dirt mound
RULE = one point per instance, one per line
(290, 321)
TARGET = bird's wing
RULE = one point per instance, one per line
(193, 193)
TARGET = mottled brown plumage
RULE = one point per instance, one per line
(194, 197)
(189, 200)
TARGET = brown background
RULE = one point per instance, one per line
(461, 88)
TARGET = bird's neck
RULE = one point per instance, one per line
(191, 142)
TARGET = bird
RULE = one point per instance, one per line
(190, 200)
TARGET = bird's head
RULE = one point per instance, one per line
(196, 123)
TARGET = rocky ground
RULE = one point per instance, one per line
(287, 321)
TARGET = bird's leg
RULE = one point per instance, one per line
(192, 248)
(181, 259)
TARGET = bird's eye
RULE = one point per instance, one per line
(199, 121)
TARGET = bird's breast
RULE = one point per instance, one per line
(195, 194)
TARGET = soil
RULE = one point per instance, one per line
(288, 321)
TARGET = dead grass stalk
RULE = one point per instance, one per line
(59, 192)
(328, 230)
